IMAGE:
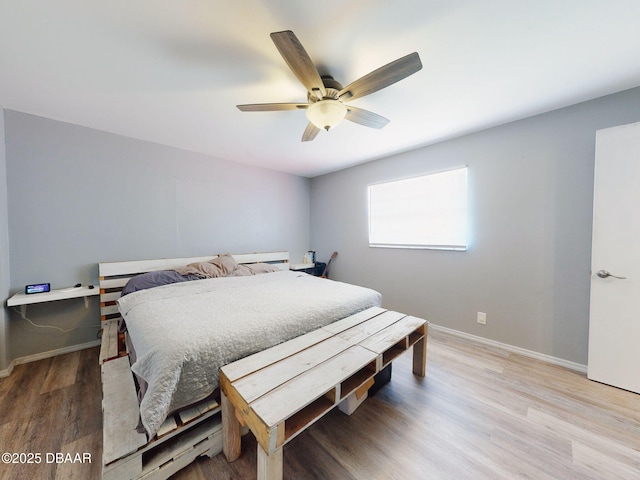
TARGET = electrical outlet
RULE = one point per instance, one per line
(482, 318)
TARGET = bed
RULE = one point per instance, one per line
(180, 334)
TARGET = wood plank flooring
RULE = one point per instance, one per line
(48, 407)
(480, 413)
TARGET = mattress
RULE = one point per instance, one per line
(183, 333)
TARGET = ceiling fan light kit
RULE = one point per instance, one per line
(325, 97)
(326, 114)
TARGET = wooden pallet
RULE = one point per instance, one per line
(182, 438)
(127, 454)
(280, 391)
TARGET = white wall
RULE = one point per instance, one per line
(530, 200)
(78, 196)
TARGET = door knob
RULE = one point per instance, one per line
(605, 274)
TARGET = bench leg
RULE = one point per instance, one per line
(420, 356)
(269, 466)
(230, 430)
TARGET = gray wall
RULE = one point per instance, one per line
(4, 249)
(530, 200)
(78, 196)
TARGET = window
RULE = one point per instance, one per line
(429, 211)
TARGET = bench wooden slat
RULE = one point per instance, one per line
(388, 337)
(281, 403)
(247, 365)
(364, 330)
(264, 380)
(353, 320)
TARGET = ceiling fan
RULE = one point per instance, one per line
(325, 96)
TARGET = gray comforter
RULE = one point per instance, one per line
(183, 333)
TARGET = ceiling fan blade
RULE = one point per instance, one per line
(365, 117)
(299, 62)
(382, 77)
(310, 132)
(271, 107)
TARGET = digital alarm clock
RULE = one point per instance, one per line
(37, 288)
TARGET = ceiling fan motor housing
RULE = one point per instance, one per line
(332, 88)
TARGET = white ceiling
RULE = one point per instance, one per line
(173, 72)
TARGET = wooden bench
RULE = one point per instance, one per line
(279, 392)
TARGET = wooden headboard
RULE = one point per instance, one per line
(115, 275)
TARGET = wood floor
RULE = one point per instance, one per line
(481, 413)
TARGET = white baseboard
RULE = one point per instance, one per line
(49, 354)
(510, 348)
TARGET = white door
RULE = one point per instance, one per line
(614, 321)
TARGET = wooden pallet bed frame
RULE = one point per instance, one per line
(126, 453)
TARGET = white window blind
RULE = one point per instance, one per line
(428, 211)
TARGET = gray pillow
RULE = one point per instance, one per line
(154, 279)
